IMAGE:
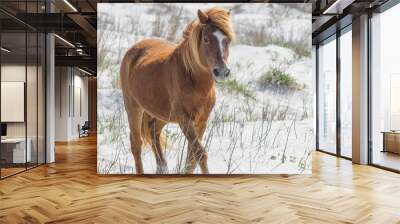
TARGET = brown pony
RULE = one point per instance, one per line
(162, 82)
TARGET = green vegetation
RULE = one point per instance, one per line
(232, 86)
(260, 37)
(278, 78)
(299, 48)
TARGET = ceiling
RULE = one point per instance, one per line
(75, 22)
(331, 15)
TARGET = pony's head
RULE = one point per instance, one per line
(209, 38)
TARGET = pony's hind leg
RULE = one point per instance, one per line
(156, 127)
(135, 115)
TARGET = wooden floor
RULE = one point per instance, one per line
(5, 172)
(387, 159)
(70, 191)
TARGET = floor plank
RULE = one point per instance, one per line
(70, 191)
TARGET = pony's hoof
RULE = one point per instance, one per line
(188, 171)
(162, 170)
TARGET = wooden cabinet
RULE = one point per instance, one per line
(391, 142)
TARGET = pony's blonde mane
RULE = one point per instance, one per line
(220, 18)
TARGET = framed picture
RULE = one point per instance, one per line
(205, 88)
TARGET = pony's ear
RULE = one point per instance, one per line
(202, 17)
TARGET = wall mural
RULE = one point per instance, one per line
(205, 88)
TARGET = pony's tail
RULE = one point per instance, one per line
(147, 122)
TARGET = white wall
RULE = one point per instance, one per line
(70, 83)
(34, 125)
(360, 90)
(12, 73)
(79, 117)
(17, 73)
(50, 93)
(62, 81)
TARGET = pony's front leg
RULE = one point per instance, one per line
(196, 152)
(200, 127)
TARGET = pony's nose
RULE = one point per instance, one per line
(227, 72)
(221, 71)
(216, 72)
